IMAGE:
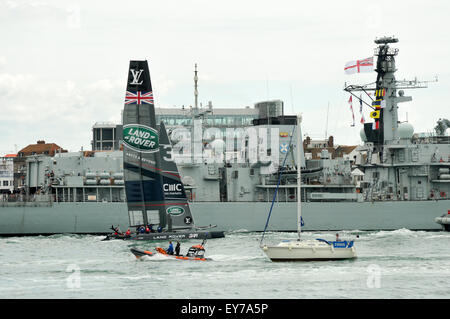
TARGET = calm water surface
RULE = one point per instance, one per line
(390, 264)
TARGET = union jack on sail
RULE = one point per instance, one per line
(139, 97)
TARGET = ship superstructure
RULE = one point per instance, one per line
(399, 165)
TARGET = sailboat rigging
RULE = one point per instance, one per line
(304, 250)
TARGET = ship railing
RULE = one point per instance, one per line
(12, 200)
(432, 139)
(91, 193)
(79, 198)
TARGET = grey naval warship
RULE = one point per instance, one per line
(403, 177)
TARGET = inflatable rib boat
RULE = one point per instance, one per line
(196, 252)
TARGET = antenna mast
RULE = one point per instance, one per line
(195, 86)
(326, 128)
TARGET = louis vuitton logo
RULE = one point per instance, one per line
(136, 76)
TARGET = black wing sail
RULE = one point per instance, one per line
(177, 208)
(143, 181)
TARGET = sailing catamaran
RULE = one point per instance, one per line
(156, 197)
(305, 250)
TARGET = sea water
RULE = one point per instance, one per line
(390, 264)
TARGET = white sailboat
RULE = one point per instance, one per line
(307, 250)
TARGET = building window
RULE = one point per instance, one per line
(107, 134)
(5, 183)
(107, 146)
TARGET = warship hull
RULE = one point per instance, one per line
(96, 218)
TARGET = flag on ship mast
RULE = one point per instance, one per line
(350, 101)
(359, 66)
(361, 110)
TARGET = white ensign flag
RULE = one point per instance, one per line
(359, 66)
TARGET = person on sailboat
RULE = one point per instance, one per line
(128, 232)
(177, 249)
(337, 236)
(147, 230)
(117, 231)
(170, 249)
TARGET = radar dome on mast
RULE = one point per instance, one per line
(405, 130)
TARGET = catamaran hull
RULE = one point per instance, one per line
(97, 218)
(171, 235)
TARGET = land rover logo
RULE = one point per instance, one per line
(175, 210)
(140, 138)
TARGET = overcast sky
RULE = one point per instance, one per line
(64, 64)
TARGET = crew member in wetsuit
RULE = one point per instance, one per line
(177, 249)
(170, 249)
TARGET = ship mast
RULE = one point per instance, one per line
(196, 134)
(299, 177)
(195, 87)
(384, 129)
(386, 89)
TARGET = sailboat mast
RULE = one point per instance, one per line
(299, 177)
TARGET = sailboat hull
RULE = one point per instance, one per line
(307, 252)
